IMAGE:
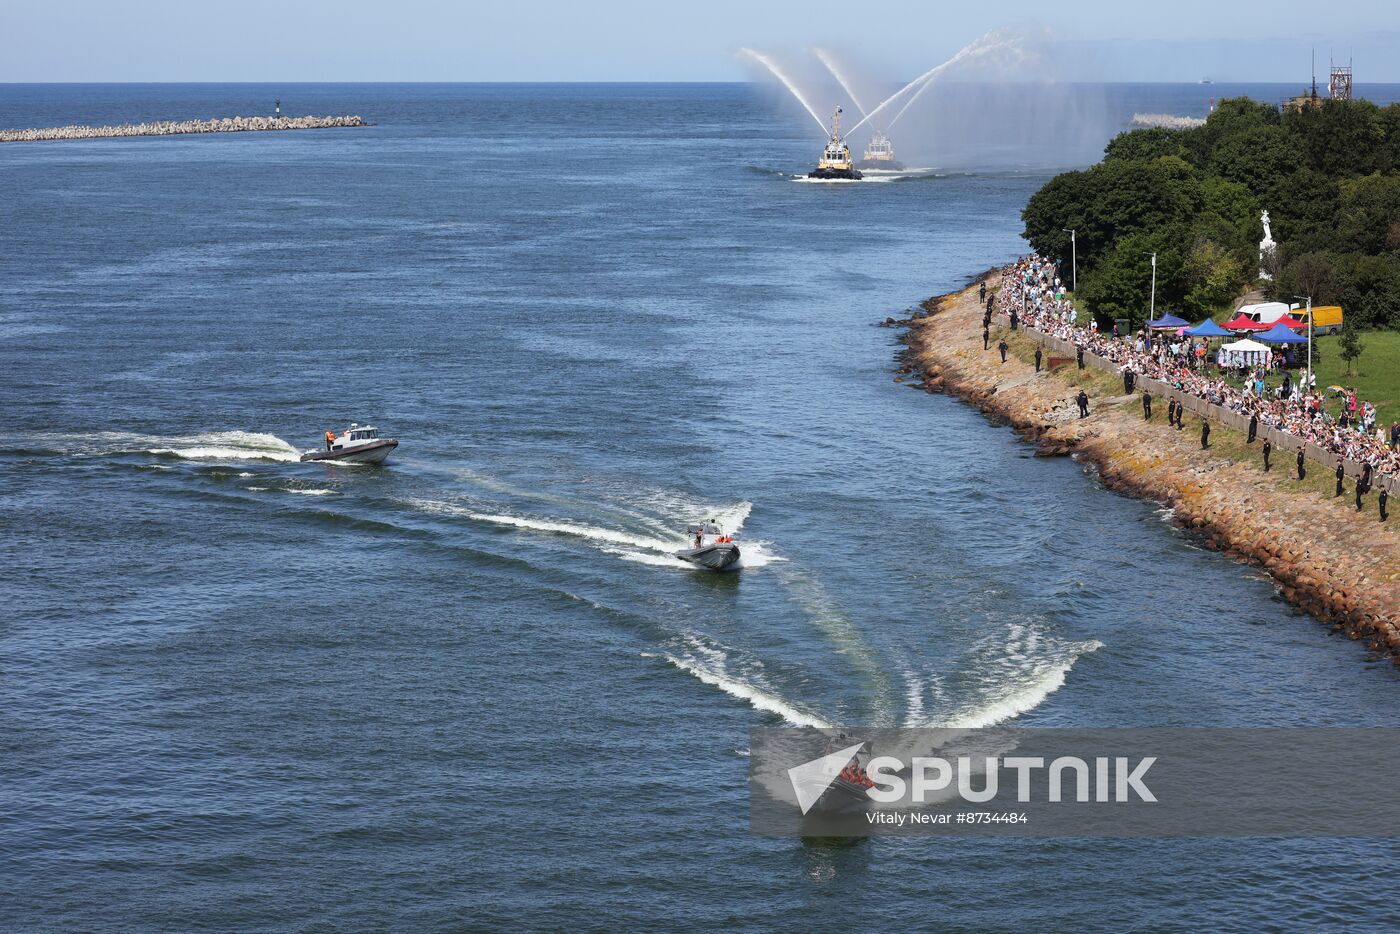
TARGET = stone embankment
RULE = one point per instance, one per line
(176, 128)
(1337, 563)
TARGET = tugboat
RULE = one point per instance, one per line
(880, 154)
(836, 157)
(358, 444)
(713, 550)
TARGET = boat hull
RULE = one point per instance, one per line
(834, 173)
(372, 453)
(718, 557)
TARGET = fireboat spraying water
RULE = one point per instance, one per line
(836, 157)
(879, 154)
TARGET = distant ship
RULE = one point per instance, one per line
(1206, 81)
(880, 154)
(836, 157)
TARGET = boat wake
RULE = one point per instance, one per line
(710, 664)
(648, 547)
(229, 445)
(1012, 676)
(215, 445)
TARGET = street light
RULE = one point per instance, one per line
(1073, 263)
(1152, 312)
(1308, 299)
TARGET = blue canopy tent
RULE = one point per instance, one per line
(1167, 322)
(1207, 328)
(1278, 334)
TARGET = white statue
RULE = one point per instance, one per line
(1267, 248)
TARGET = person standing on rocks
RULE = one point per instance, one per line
(1385, 495)
(1083, 400)
(1171, 412)
(1079, 356)
(1038, 356)
(1205, 434)
(1003, 347)
(986, 337)
(1268, 449)
(1015, 318)
(1147, 407)
(1129, 380)
(1302, 471)
(1360, 491)
(1341, 472)
(1253, 428)
(982, 291)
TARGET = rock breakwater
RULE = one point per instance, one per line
(1340, 565)
(181, 127)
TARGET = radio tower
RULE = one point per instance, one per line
(1339, 85)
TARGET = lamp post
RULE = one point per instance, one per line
(1073, 263)
(1152, 308)
(1308, 299)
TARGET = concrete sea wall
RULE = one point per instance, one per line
(175, 128)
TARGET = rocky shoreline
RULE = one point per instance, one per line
(177, 128)
(1338, 564)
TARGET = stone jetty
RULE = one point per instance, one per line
(1341, 565)
(180, 127)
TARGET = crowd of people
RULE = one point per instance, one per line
(1033, 294)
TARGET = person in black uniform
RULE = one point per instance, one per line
(1268, 449)
(1180, 409)
(1038, 356)
(1079, 356)
(1385, 495)
(1129, 381)
(1003, 347)
(1147, 407)
(1365, 478)
(1083, 400)
(1014, 319)
(1340, 474)
(1302, 471)
(986, 337)
(982, 291)
(1360, 491)
(1205, 434)
(1171, 412)
(1253, 428)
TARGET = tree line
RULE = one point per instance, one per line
(1329, 176)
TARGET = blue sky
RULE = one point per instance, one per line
(619, 40)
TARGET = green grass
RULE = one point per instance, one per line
(1375, 374)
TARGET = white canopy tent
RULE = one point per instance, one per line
(1243, 353)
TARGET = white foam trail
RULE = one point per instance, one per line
(230, 445)
(802, 179)
(772, 66)
(1023, 694)
(312, 492)
(714, 673)
(829, 61)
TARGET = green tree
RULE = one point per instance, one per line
(1121, 286)
(1349, 343)
(1368, 208)
(1213, 275)
(1339, 138)
(1259, 158)
(1107, 203)
(1145, 145)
